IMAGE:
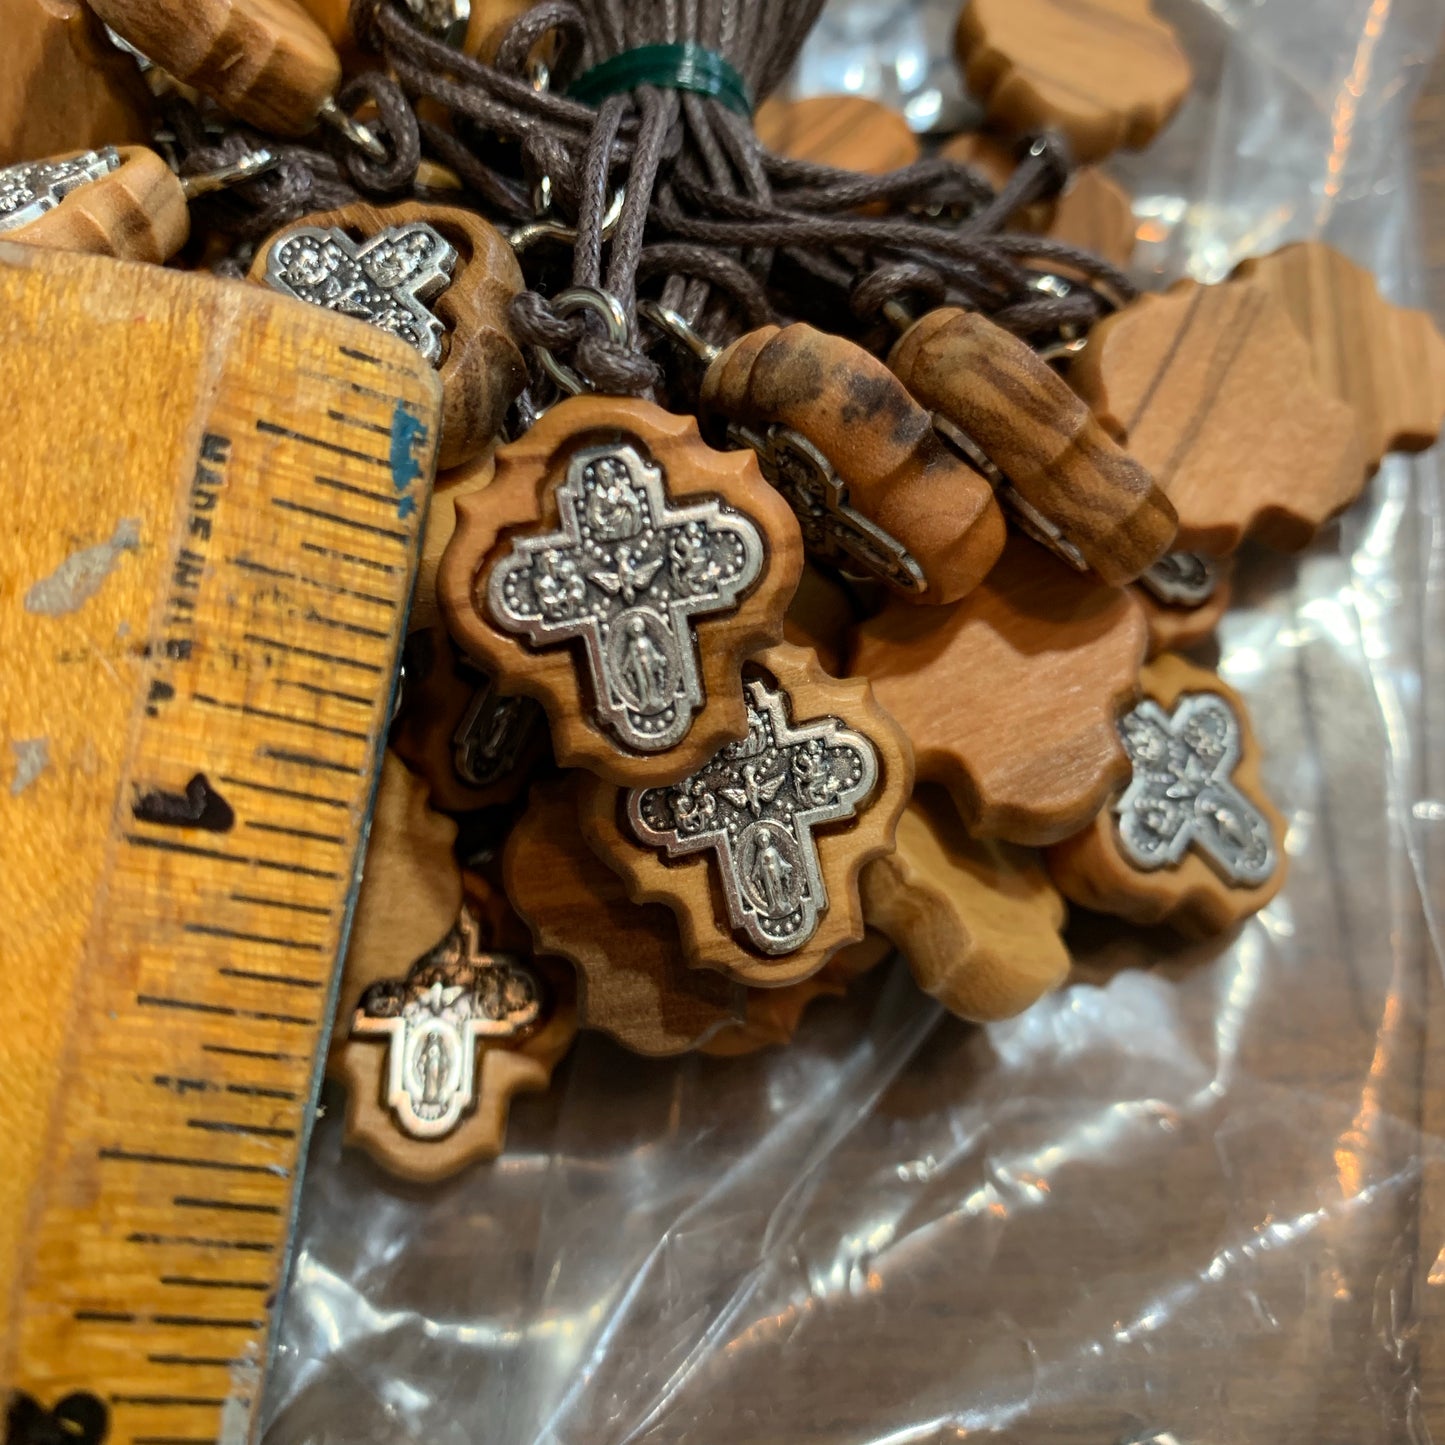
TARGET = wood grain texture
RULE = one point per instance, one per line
(265, 61)
(978, 921)
(66, 726)
(136, 213)
(822, 615)
(1024, 418)
(130, 411)
(632, 981)
(521, 498)
(1386, 361)
(1010, 697)
(689, 885)
(1108, 74)
(847, 131)
(1091, 870)
(63, 86)
(482, 367)
(1211, 387)
(504, 1070)
(1177, 629)
(773, 1015)
(878, 439)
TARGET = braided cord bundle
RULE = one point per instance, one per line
(711, 222)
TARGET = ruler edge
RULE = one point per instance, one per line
(225, 309)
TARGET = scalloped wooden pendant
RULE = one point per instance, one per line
(822, 616)
(1108, 74)
(416, 912)
(1192, 841)
(1386, 361)
(774, 1014)
(908, 510)
(1010, 697)
(997, 398)
(127, 204)
(632, 981)
(475, 748)
(621, 572)
(1211, 386)
(473, 276)
(758, 852)
(1183, 597)
(978, 921)
(847, 131)
(63, 86)
(1096, 214)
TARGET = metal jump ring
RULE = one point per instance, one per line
(359, 135)
(526, 236)
(568, 303)
(677, 326)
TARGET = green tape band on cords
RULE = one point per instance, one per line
(669, 67)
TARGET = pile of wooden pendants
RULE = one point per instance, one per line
(694, 732)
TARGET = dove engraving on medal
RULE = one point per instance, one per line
(453, 997)
(756, 806)
(624, 577)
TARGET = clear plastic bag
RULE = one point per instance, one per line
(1183, 1194)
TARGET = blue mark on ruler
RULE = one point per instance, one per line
(408, 436)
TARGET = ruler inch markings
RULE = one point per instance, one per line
(365, 423)
(314, 654)
(335, 589)
(237, 935)
(372, 563)
(272, 428)
(369, 494)
(289, 905)
(310, 834)
(337, 519)
(318, 691)
(340, 624)
(247, 709)
(296, 794)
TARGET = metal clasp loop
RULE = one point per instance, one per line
(569, 303)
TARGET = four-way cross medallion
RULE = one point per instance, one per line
(756, 805)
(452, 997)
(386, 279)
(626, 573)
(1183, 793)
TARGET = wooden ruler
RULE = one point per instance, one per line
(213, 500)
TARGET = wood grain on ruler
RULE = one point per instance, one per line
(215, 495)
